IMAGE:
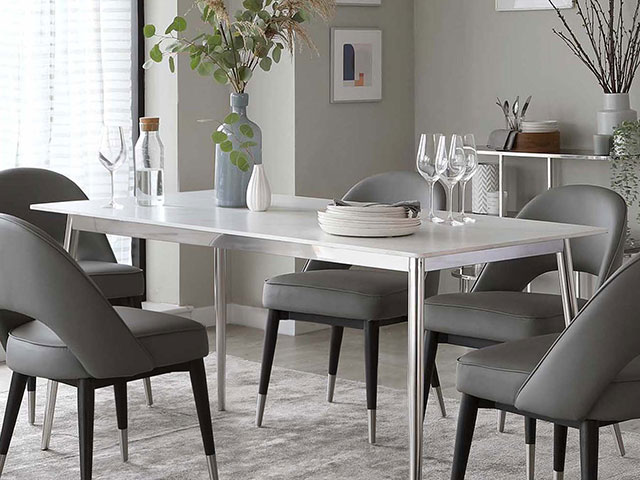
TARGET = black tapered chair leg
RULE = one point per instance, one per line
(467, 416)
(86, 412)
(371, 352)
(201, 397)
(589, 444)
(430, 350)
(268, 353)
(31, 399)
(559, 450)
(120, 391)
(334, 357)
(530, 443)
(14, 400)
(435, 384)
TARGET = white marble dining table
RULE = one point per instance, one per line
(290, 228)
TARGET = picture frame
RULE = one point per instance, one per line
(358, 3)
(356, 65)
(516, 5)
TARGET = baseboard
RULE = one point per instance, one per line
(247, 316)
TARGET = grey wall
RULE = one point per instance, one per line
(338, 144)
(466, 54)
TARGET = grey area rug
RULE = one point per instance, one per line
(303, 438)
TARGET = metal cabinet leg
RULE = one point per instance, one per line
(220, 298)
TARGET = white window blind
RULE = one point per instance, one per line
(65, 70)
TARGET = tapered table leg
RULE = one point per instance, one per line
(415, 367)
(220, 299)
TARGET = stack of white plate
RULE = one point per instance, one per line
(546, 126)
(370, 221)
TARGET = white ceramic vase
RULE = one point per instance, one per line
(616, 109)
(259, 191)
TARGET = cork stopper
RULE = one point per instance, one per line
(149, 124)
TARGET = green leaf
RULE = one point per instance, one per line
(242, 162)
(238, 42)
(231, 118)
(219, 137)
(233, 157)
(246, 130)
(226, 146)
(206, 69)
(301, 16)
(265, 64)
(172, 65)
(220, 76)
(244, 73)
(248, 144)
(180, 24)
(276, 54)
(214, 40)
(253, 5)
(195, 61)
(149, 31)
(155, 53)
(264, 15)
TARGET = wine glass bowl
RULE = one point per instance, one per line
(430, 164)
(112, 154)
(455, 169)
(471, 156)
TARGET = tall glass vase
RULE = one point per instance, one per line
(231, 181)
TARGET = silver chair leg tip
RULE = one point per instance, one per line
(331, 387)
(531, 461)
(262, 401)
(502, 418)
(32, 408)
(617, 433)
(372, 426)
(148, 393)
(443, 408)
(212, 465)
(558, 475)
(124, 444)
(2, 460)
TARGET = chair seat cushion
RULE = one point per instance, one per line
(496, 316)
(498, 372)
(353, 294)
(34, 349)
(115, 280)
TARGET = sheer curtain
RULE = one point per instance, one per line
(65, 70)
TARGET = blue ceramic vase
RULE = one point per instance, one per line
(231, 182)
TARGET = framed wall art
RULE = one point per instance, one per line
(356, 65)
(510, 5)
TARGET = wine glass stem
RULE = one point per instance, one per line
(463, 186)
(113, 190)
(450, 217)
(431, 214)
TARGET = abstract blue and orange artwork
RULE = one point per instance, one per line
(357, 65)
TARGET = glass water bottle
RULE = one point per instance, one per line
(149, 158)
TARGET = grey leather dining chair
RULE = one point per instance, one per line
(342, 297)
(81, 340)
(499, 310)
(586, 377)
(121, 284)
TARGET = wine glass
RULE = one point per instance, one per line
(471, 155)
(431, 165)
(112, 154)
(456, 167)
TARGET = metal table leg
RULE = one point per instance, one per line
(415, 367)
(70, 244)
(220, 299)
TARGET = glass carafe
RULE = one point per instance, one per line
(149, 158)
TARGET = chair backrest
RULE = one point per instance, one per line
(590, 353)
(22, 187)
(389, 187)
(599, 255)
(39, 280)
